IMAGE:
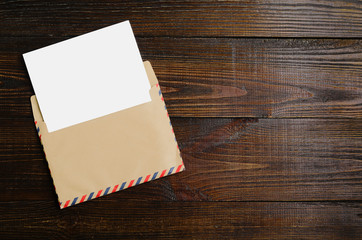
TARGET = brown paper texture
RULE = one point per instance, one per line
(100, 155)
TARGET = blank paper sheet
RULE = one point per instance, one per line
(88, 76)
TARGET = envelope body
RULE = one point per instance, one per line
(113, 152)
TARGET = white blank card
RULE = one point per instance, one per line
(88, 76)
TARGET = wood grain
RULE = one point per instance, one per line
(225, 159)
(274, 78)
(293, 170)
(284, 18)
(181, 220)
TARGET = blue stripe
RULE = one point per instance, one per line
(123, 185)
(90, 196)
(169, 172)
(154, 175)
(159, 92)
(38, 129)
(170, 123)
(105, 192)
(74, 201)
(165, 107)
(138, 181)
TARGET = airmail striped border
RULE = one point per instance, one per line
(119, 187)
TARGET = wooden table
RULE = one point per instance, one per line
(266, 102)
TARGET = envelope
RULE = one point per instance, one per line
(113, 152)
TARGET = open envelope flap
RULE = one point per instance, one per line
(111, 153)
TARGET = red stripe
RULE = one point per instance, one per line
(83, 198)
(115, 188)
(148, 176)
(99, 193)
(179, 168)
(157, 85)
(172, 129)
(162, 98)
(66, 204)
(40, 136)
(36, 122)
(163, 173)
(131, 183)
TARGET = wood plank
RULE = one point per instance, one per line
(284, 18)
(274, 78)
(225, 159)
(179, 220)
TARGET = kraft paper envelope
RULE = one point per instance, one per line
(113, 152)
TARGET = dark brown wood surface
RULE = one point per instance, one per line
(226, 159)
(265, 98)
(212, 77)
(180, 18)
